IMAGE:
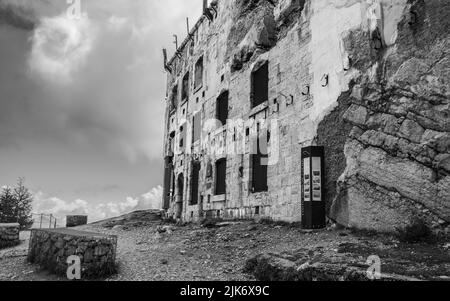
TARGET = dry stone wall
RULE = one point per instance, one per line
(9, 235)
(52, 248)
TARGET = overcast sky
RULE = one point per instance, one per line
(82, 100)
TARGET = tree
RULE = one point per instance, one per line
(7, 205)
(24, 202)
(16, 205)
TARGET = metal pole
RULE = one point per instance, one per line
(50, 223)
(40, 224)
(55, 223)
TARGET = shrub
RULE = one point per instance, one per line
(416, 231)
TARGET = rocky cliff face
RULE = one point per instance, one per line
(258, 25)
(397, 155)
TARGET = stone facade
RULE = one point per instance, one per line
(9, 235)
(76, 220)
(52, 248)
(354, 76)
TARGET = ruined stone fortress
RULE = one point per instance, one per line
(311, 111)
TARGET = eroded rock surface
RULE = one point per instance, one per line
(398, 152)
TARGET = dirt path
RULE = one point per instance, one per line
(195, 253)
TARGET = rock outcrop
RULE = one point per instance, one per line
(398, 151)
(275, 267)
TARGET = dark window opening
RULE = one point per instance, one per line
(199, 73)
(182, 136)
(168, 171)
(172, 143)
(185, 88)
(196, 127)
(180, 186)
(172, 186)
(259, 164)
(257, 210)
(221, 171)
(195, 181)
(180, 193)
(174, 98)
(222, 108)
(260, 85)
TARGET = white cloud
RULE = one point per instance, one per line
(60, 208)
(116, 22)
(151, 200)
(60, 46)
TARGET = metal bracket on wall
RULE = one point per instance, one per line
(206, 11)
(307, 91)
(290, 100)
(214, 9)
(276, 106)
(325, 80)
(166, 65)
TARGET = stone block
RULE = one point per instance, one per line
(76, 220)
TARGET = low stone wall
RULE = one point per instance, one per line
(51, 248)
(9, 235)
(76, 220)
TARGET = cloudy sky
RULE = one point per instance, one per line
(82, 100)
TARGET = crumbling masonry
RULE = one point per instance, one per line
(257, 81)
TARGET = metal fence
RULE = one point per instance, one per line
(42, 220)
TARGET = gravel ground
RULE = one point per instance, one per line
(194, 253)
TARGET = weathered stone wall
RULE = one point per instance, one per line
(52, 248)
(76, 220)
(9, 235)
(342, 74)
(243, 36)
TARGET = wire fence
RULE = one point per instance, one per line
(41, 221)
